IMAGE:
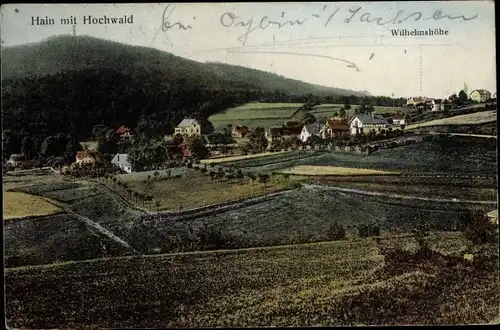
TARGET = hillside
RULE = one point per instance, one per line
(325, 284)
(68, 53)
(69, 85)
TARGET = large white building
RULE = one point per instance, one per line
(121, 160)
(360, 124)
(480, 95)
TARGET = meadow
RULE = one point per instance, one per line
(328, 284)
(275, 114)
(194, 189)
(441, 154)
(18, 204)
(302, 216)
(333, 170)
(236, 158)
(468, 119)
(54, 238)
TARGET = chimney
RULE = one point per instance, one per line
(118, 157)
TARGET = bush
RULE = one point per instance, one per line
(336, 232)
(211, 238)
(368, 230)
(480, 230)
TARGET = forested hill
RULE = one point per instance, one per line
(69, 53)
(76, 86)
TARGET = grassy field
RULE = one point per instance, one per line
(54, 238)
(456, 156)
(236, 158)
(468, 119)
(332, 170)
(327, 284)
(194, 189)
(305, 215)
(143, 176)
(437, 189)
(18, 204)
(275, 114)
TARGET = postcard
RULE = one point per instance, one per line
(197, 165)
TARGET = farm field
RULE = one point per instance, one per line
(305, 215)
(275, 114)
(18, 204)
(236, 158)
(468, 119)
(54, 238)
(333, 170)
(143, 176)
(194, 189)
(326, 284)
(430, 156)
(420, 190)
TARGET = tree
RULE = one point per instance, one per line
(308, 118)
(478, 228)
(54, 146)
(28, 148)
(286, 177)
(197, 147)
(72, 146)
(240, 176)
(462, 97)
(146, 152)
(343, 112)
(257, 141)
(10, 143)
(336, 232)
(264, 179)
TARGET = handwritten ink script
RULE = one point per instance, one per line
(325, 14)
(357, 14)
(167, 25)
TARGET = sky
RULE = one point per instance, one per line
(346, 45)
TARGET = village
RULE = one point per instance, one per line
(339, 131)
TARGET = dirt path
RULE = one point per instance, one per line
(372, 193)
(97, 227)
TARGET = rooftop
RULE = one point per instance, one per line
(367, 119)
(186, 122)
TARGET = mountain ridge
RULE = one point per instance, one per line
(73, 53)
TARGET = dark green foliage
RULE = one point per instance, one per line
(146, 152)
(479, 229)
(197, 147)
(336, 232)
(368, 230)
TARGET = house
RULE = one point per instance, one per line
(335, 126)
(362, 123)
(480, 95)
(239, 131)
(292, 128)
(89, 145)
(184, 149)
(438, 105)
(121, 160)
(493, 216)
(172, 146)
(16, 160)
(124, 132)
(414, 100)
(310, 130)
(189, 127)
(89, 157)
(430, 104)
(400, 119)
